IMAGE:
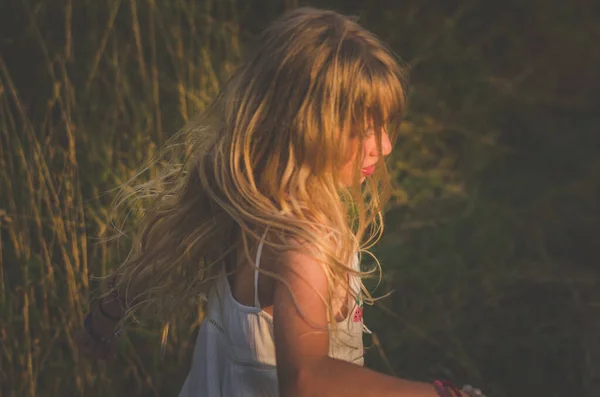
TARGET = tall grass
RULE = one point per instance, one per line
(490, 250)
(107, 94)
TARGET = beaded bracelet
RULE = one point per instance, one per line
(105, 314)
(439, 388)
(446, 389)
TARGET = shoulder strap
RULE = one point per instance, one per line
(256, 272)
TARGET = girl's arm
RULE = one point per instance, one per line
(302, 343)
(97, 336)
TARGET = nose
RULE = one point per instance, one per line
(386, 145)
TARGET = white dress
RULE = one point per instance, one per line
(234, 355)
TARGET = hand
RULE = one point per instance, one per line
(470, 391)
(97, 339)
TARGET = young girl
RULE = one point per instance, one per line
(282, 187)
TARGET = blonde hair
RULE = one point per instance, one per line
(266, 154)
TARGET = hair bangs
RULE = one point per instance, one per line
(380, 96)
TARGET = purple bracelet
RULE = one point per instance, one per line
(439, 388)
(445, 389)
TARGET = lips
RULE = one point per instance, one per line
(368, 170)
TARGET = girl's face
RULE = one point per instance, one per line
(370, 155)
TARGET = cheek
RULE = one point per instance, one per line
(356, 152)
(370, 145)
(352, 151)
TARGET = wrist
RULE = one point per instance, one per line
(101, 323)
(447, 389)
(111, 308)
(99, 329)
(444, 388)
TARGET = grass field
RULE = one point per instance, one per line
(492, 233)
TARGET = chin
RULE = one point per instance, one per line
(360, 181)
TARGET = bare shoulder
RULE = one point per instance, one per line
(295, 264)
(300, 310)
(300, 273)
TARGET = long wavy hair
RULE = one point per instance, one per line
(266, 155)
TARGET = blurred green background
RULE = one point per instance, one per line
(491, 241)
